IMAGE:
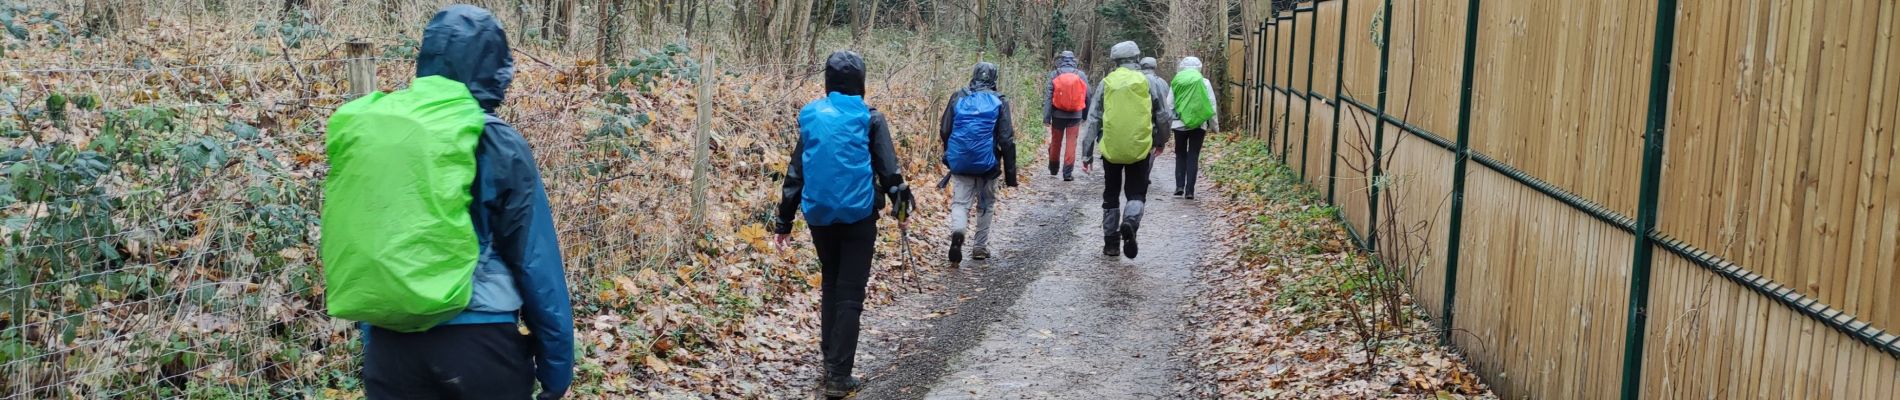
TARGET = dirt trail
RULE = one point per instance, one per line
(1050, 317)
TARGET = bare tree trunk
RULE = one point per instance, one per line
(608, 34)
(692, 15)
(811, 43)
(1090, 50)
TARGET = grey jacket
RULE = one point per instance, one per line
(1163, 116)
(1065, 63)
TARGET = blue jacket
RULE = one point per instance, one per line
(520, 273)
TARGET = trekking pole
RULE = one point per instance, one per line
(903, 230)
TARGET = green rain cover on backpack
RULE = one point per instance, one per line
(1127, 117)
(1190, 98)
(399, 247)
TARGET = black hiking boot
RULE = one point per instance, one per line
(1190, 196)
(956, 248)
(1179, 192)
(981, 254)
(1068, 173)
(1112, 247)
(840, 388)
(1128, 242)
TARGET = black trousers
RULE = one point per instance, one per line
(1187, 159)
(481, 361)
(844, 255)
(1125, 180)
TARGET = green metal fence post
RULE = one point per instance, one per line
(1339, 87)
(1306, 121)
(1286, 118)
(1259, 89)
(1458, 171)
(1273, 74)
(1378, 135)
(1660, 59)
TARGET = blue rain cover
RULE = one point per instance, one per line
(972, 146)
(836, 134)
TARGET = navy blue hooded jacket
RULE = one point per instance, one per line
(520, 273)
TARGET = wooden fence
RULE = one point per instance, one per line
(1588, 223)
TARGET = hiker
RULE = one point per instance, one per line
(846, 146)
(386, 234)
(1194, 117)
(979, 143)
(1065, 104)
(1128, 117)
(1148, 65)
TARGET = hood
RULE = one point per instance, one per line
(1148, 64)
(844, 73)
(1066, 59)
(466, 44)
(984, 77)
(1124, 52)
(1191, 62)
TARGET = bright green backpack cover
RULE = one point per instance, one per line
(1127, 117)
(1190, 98)
(399, 248)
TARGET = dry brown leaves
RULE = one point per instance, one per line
(1248, 345)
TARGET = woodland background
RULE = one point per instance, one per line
(163, 161)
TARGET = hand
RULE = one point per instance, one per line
(782, 241)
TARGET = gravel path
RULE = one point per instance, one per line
(1049, 317)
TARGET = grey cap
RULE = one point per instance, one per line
(1124, 51)
(1149, 64)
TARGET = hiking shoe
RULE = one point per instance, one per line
(1068, 177)
(1128, 243)
(1112, 247)
(838, 388)
(1190, 196)
(956, 248)
(1179, 192)
(981, 254)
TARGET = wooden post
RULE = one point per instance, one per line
(362, 68)
(701, 151)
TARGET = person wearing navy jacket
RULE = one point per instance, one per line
(519, 277)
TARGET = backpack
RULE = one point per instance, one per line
(971, 149)
(399, 247)
(1191, 105)
(836, 134)
(1127, 117)
(1068, 92)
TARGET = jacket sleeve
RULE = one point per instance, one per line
(1163, 111)
(884, 155)
(1213, 124)
(1092, 128)
(793, 190)
(525, 239)
(1006, 143)
(1049, 96)
(948, 123)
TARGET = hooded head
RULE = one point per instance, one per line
(466, 44)
(1148, 64)
(844, 73)
(1125, 52)
(1191, 62)
(1066, 59)
(984, 77)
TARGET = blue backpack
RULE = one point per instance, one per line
(836, 134)
(972, 146)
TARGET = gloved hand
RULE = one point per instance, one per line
(901, 201)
